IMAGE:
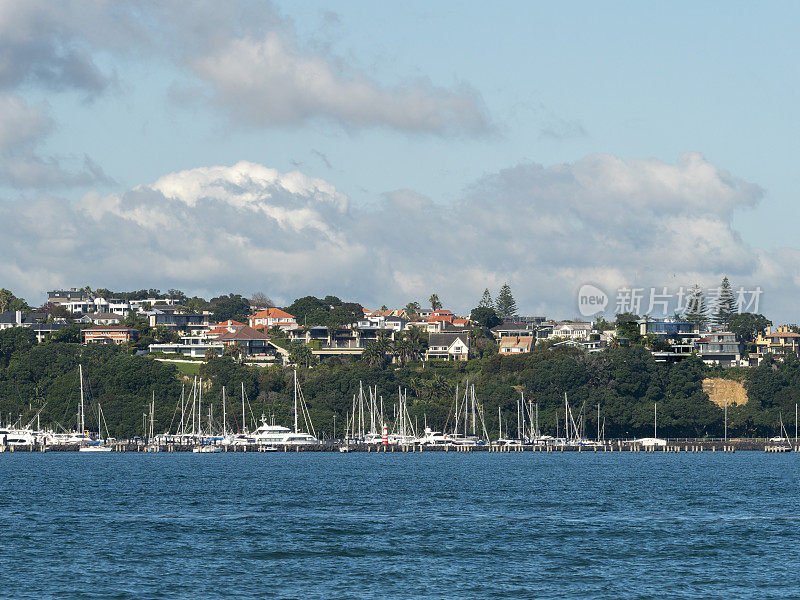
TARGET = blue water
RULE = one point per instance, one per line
(429, 525)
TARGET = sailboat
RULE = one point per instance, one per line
(97, 445)
(276, 435)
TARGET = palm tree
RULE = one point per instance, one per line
(434, 300)
(403, 349)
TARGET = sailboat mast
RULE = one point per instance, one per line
(244, 429)
(80, 374)
(295, 400)
(655, 419)
(500, 421)
(224, 414)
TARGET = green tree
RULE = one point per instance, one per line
(725, 304)
(15, 340)
(9, 302)
(505, 305)
(232, 306)
(412, 308)
(696, 311)
(747, 326)
(627, 325)
(300, 354)
(434, 302)
(486, 300)
(485, 316)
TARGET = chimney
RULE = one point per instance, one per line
(18, 316)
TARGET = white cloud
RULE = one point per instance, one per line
(545, 230)
(269, 80)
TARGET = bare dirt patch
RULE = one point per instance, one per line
(722, 391)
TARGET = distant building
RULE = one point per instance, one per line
(248, 339)
(448, 346)
(17, 318)
(516, 344)
(192, 346)
(109, 335)
(720, 348)
(780, 340)
(572, 331)
(272, 317)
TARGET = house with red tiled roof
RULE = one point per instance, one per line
(272, 317)
(520, 344)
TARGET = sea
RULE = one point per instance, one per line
(431, 525)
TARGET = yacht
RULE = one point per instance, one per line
(17, 437)
(276, 435)
(270, 434)
(433, 438)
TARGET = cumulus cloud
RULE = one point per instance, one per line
(246, 58)
(269, 80)
(545, 230)
(48, 44)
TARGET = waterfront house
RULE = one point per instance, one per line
(780, 340)
(192, 346)
(721, 348)
(272, 317)
(248, 339)
(516, 344)
(572, 331)
(113, 334)
(448, 346)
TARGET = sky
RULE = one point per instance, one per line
(384, 152)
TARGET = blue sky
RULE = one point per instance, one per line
(452, 103)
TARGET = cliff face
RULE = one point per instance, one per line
(722, 391)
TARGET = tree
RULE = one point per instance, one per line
(627, 325)
(486, 300)
(505, 304)
(696, 311)
(260, 300)
(15, 340)
(300, 354)
(434, 301)
(485, 316)
(232, 306)
(747, 326)
(725, 305)
(9, 302)
(412, 308)
(195, 304)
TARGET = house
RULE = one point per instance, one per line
(169, 317)
(781, 340)
(272, 317)
(514, 329)
(668, 328)
(229, 325)
(248, 339)
(16, 318)
(572, 331)
(516, 344)
(448, 346)
(385, 322)
(192, 346)
(114, 334)
(721, 348)
(103, 318)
